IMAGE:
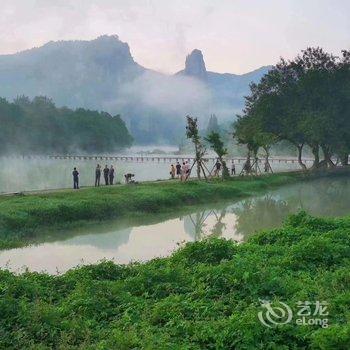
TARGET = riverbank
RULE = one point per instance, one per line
(205, 296)
(26, 216)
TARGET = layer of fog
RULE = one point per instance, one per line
(167, 99)
(17, 174)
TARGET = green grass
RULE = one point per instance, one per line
(205, 296)
(23, 217)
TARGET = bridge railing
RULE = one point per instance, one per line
(156, 159)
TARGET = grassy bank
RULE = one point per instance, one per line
(205, 296)
(25, 216)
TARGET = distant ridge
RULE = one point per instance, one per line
(102, 74)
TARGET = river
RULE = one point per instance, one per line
(158, 235)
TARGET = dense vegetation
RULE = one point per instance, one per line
(205, 296)
(22, 217)
(305, 101)
(39, 127)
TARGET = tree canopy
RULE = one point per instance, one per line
(38, 127)
(305, 101)
(218, 147)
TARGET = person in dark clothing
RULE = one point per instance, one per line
(178, 169)
(233, 169)
(97, 175)
(111, 175)
(128, 178)
(266, 167)
(106, 174)
(217, 168)
(75, 174)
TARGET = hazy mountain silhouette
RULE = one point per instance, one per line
(102, 74)
(228, 90)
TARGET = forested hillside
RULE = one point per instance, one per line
(38, 127)
(102, 74)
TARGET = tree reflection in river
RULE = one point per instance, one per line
(324, 197)
(205, 223)
(259, 214)
(238, 221)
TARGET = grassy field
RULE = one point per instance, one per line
(26, 216)
(205, 296)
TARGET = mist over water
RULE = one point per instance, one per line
(18, 174)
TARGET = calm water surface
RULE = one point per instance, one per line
(134, 240)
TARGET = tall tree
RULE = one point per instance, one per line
(304, 101)
(217, 145)
(192, 133)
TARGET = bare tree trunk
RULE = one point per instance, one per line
(205, 176)
(198, 163)
(316, 152)
(327, 156)
(300, 155)
(256, 159)
(344, 159)
(267, 166)
(247, 164)
(198, 170)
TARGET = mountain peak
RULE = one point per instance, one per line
(195, 65)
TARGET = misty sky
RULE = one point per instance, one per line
(235, 35)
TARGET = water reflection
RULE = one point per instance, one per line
(143, 238)
(260, 214)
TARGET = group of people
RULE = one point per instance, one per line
(182, 172)
(108, 174)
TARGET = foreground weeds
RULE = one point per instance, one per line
(205, 296)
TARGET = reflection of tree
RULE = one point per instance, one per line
(195, 223)
(260, 213)
(219, 226)
(325, 197)
(328, 197)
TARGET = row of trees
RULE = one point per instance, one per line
(305, 101)
(38, 126)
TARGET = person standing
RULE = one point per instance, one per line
(75, 174)
(111, 175)
(233, 169)
(178, 169)
(266, 166)
(106, 174)
(97, 175)
(217, 168)
(183, 172)
(172, 171)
